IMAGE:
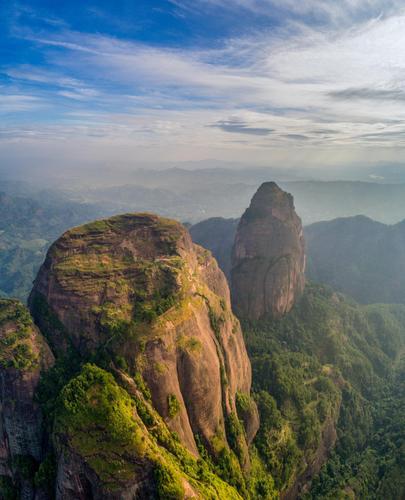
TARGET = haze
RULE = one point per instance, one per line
(314, 86)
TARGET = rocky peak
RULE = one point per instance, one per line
(135, 291)
(268, 257)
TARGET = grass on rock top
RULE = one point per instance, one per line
(167, 231)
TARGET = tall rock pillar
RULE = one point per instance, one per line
(268, 256)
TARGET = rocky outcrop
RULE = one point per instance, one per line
(268, 258)
(135, 291)
(24, 354)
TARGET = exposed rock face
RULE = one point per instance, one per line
(24, 354)
(268, 258)
(135, 288)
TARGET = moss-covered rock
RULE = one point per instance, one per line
(116, 445)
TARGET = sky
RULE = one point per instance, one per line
(263, 82)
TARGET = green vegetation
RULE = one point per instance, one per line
(189, 344)
(329, 363)
(373, 470)
(7, 489)
(216, 320)
(28, 226)
(54, 380)
(227, 465)
(168, 485)
(243, 402)
(45, 476)
(173, 405)
(92, 408)
(17, 344)
(150, 308)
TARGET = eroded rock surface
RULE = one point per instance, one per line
(136, 290)
(268, 257)
(24, 354)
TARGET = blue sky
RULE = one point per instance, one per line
(275, 82)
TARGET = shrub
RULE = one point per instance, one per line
(168, 484)
(173, 405)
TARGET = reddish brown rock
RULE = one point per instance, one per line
(134, 288)
(24, 354)
(268, 257)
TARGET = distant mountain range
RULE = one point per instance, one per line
(195, 195)
(31, 217)
(356, 255)
(360, 257)
(198, 195)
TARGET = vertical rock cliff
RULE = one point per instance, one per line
(24, 354)
(268, 257)
(134, 294)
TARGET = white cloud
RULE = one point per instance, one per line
(32, 74)
(15, 103)
(331, 13)
(315, 90)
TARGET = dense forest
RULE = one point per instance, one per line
(332, 364)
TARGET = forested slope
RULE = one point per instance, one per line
(331, 369)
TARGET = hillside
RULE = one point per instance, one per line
(360, 257)
(322, 366)
(357, 256)
(330, 374)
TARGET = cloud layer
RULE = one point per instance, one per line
(328, 76)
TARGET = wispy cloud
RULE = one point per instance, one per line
(18, 103)
(315, 89)
(333, 13)
(30, 73)
(240, 127)
(369, 94)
